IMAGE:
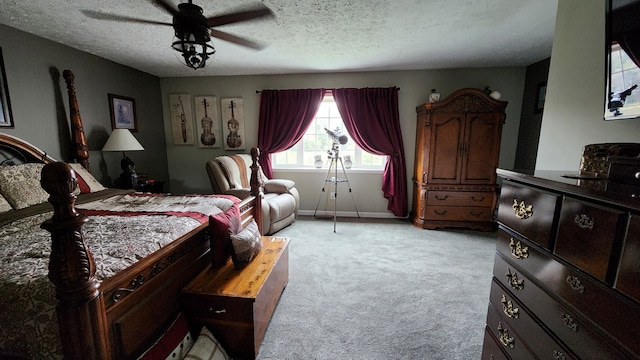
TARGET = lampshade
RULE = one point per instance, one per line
(122, 140)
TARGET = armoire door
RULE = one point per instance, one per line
(481, 146)
(445, 151)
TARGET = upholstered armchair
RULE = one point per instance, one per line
(230, 174)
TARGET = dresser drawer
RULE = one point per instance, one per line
(491, 347)
(586, 235)
(628, 280)
(459, 213)
(460, 198)
(528, 211)
(507, 337)
(517, 317)
(571, 327)
(590, 297)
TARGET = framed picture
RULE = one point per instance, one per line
(541, 93)
(207, 121)
(6, 116)
(181, 119)
(233, 123)
(123, 112)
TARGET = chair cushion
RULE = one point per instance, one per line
(278, 186)
(237, 169)
(280, 205)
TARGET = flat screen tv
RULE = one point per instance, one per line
(623, 59)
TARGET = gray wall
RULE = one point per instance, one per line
(574, 108)
(186, 163)
(40, 104)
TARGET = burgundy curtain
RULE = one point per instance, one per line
(371, 118)
(284, 117)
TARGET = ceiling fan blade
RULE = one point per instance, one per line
(104, 16)
(238, 16)
(236, 39)
(170, 8)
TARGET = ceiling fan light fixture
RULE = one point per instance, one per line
(194, 51)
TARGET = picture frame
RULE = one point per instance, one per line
(123, 112)
(6, 115)
(541, 94)
(181, 119)
(207, 123)
(233, 123)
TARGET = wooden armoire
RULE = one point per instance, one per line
(457, 151)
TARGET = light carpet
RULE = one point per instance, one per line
(381, 289)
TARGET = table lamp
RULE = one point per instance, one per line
(123, 140)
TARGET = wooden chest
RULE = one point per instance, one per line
(237, 305)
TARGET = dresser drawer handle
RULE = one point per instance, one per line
(440, 212)
(584, 221)
(476, 213)
(222, 311)
(508, 309)
(571, 324)
(575, 284)
(440, 197)
(517, 250)
(558, 355)
(512, 279)
(522, 211)
(478, 199)
(637, 175)
(505, 339)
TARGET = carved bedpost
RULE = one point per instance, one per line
(78, 139)
(256, 186)
(80, 308)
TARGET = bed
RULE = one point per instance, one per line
(67, 286)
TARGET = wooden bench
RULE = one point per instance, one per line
(237, 305)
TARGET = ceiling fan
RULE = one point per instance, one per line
(193, 31)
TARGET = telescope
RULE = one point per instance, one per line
(336, 136)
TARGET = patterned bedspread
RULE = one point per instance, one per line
(113, 234)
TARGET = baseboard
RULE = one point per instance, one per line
(350, 214)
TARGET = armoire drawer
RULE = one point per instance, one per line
(628, 280)
(459, 213)
(586, 235)
(516, 316)
(571, 327)
(528, 211)
(460, 198)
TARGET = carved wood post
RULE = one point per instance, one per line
(256, 187)
(80, 309)
(78, 139)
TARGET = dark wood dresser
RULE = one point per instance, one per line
(566, 281)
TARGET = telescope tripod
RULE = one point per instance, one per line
(333, 179)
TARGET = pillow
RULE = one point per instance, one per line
(4, 205)
(86, 182)
(246, 245)
(173, 344)
(219, 225)
(207, 348)
(20, 185)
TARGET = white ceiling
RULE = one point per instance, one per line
(308, 36)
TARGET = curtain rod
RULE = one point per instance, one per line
(327, 91)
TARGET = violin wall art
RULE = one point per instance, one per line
(233, 123)
(181, 119)
(207, 122)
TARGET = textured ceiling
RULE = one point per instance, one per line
(307, 36)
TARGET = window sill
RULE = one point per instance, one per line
(325, 170)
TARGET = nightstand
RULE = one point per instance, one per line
(151, 187)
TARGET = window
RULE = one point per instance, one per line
(317, 141)
(624, 74)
